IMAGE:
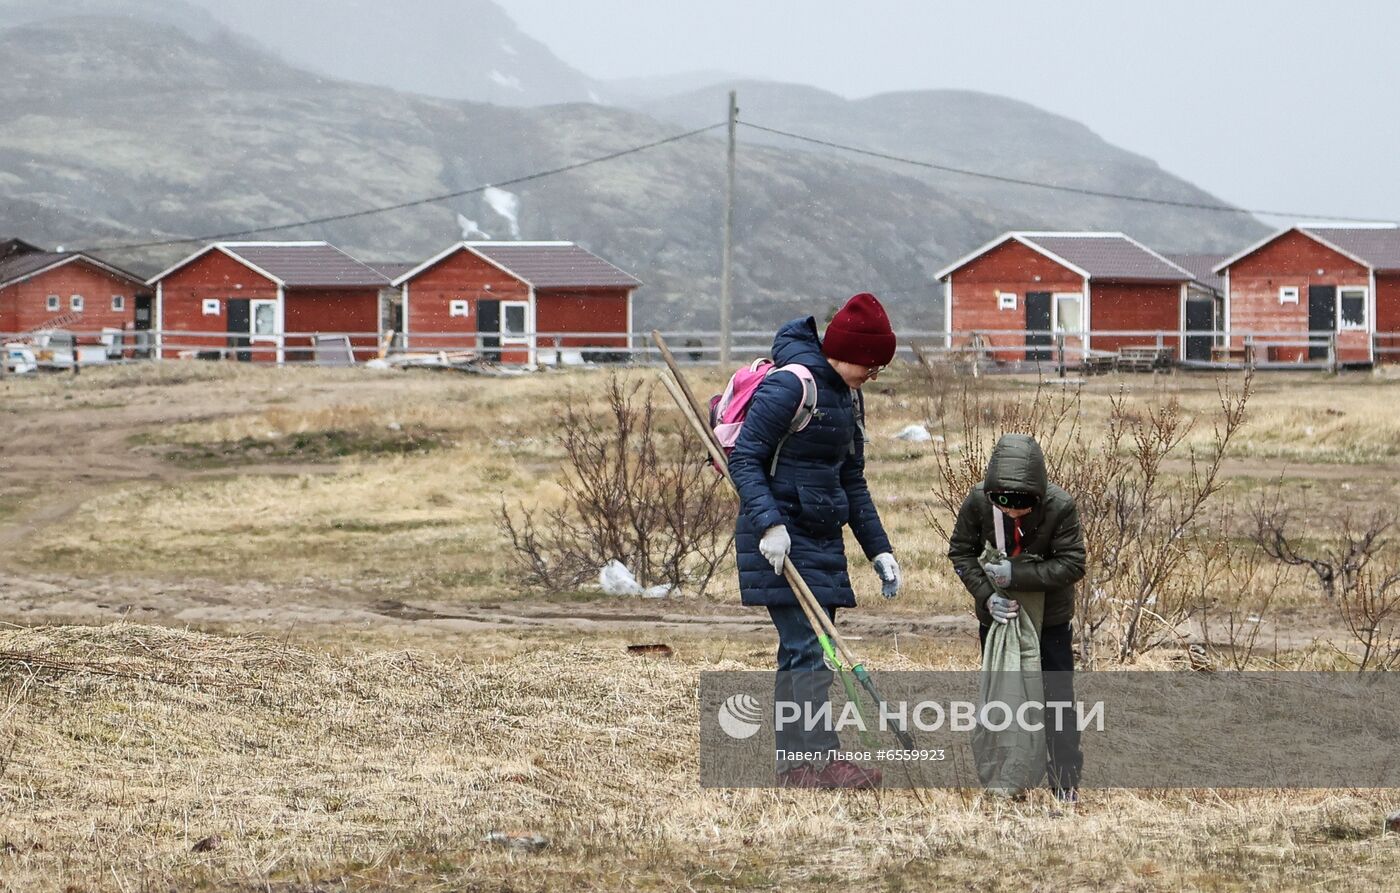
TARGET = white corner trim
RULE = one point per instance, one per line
(1088, 311)
(1227, 310)
(521, 244)
(948, 312)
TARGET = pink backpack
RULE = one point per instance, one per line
(729, 409)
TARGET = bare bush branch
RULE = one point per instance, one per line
(633, 491)
(1369, 610)
(1235, 585)
(1355, 569)
(1337, 567)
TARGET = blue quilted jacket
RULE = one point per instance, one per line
(818, 486)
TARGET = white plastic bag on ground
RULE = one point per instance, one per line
(616, 579)
(914, 434)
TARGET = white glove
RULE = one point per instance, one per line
(775, 546)
(1000, 572)
(1002, 609)
(888, 570)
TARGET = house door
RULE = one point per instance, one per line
(1322, 317)
(238, 328)
(1038, 326)
(143, 313)
(141, 323)
(1200, 317)
(488, 327)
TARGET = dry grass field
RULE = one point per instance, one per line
(259, 630)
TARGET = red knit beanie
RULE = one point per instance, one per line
(860, 333)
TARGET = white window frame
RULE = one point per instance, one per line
(1365, 324)
(1006, 300)
(53, 303)
(212, 307)
(1055, 299)
(459, 308)
(520, 339)
(119, 303)
(75, 303)
(1288, 294)
(253, 320)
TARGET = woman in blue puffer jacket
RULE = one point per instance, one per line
(797, 508)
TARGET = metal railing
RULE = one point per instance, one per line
(987, 350)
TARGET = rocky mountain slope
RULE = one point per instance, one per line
(985, 133)
(115, 130)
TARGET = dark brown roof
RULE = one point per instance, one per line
(1108, 256)
(307, 264)
(1376, 246)
(390, 269)
(1201, 267)
(18, 266)
(9, 247)
(554, 265)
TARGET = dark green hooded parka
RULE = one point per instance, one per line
(1052, 546)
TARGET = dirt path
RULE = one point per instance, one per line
(66, 455)
(53, 598)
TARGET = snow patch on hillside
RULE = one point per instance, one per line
(506, 204)
(506, 80)
(470, 229)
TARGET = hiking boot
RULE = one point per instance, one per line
(800, 776)
(841, 774)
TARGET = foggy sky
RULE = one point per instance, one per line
(1275, 104)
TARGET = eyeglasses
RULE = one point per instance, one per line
(874, 371)
(1013, 500)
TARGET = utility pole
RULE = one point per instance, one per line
(726, 288)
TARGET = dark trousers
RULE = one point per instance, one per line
(1066, 760)
(804, 679)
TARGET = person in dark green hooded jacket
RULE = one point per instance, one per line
(1045, 553)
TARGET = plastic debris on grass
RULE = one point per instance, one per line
(517, 840)
(616, 579)
(914, 434)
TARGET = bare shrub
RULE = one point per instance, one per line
(1336, 567)
(1355, 569)
(1369, 610)
(634, 491)
(1137, 519)
(1234, 586)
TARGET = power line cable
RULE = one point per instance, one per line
(333, 218)
(1018, 181)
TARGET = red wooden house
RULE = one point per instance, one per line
(67, 290)
(265, 301)
(1021, 290)
(518, 302)
(1317, 284)
(1204, 310)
